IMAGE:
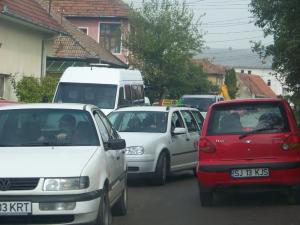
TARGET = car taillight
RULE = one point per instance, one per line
(291, 142)
(205, 145)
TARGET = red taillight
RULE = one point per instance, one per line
(291, 142)
(205, 145)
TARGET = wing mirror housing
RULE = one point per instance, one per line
(116, 144)
(179, 130)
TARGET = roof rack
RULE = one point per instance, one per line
(99, 65)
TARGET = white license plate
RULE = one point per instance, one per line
(251, 172)
(15, 208)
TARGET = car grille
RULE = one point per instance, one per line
(47, 219)
(14, 184)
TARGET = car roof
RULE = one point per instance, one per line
(153, 108)
(48, 106)
(249, 100)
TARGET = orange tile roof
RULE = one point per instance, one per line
(91, 8)
(29, 11)
(256, 85)
(210, 68)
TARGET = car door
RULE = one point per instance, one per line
(193, 135)
(178, 142)
(112, 156)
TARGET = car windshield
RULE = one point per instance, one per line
(101, 95)
(139, 121)
(200, 103)
(246, 119)
(46, 127)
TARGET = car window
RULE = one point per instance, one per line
(199, 118)
(139, 121)
(177, 120)
(39, 127)
(189, 121)
(107, 124)
(240, 118)
(102, 128)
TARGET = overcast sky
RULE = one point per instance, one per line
(226, 23)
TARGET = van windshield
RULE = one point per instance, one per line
(101, 95)
(200, 103)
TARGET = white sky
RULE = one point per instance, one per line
(227, 23)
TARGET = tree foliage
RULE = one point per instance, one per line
(32, 89)
(162, 38)
(281, 19)
(231, 83)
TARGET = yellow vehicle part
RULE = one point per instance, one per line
(224, 92)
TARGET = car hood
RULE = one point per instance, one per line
(44, 161)
(140, 139)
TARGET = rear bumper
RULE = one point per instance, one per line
(282, 175)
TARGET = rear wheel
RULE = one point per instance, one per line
(104, 213)
(120, 207)
(206, 197)
(161, 170)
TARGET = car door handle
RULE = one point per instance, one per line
(187, 139)
(118, 157)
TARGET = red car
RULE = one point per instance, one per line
(7, 102)
(249, 144)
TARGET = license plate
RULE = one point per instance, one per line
(15, 208)
(251, 172)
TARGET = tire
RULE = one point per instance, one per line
(120, 207)
(160, 174)
(206, 198)
(195, 171)
(104, 212)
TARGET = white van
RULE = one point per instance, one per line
(107, 88)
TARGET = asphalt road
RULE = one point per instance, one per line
(177, 203)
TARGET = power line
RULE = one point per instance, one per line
(234, 32)
(238, 39)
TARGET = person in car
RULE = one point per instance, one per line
(67, 125)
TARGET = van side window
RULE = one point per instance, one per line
(121, 100)
(128, 93)
(137, 93)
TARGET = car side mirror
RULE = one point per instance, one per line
(116, 144)
(178, 130)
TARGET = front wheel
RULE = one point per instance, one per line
(120, 207)
(104, 213)
(160, 175)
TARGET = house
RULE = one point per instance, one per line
(76, 48)
(215, 73)
(103, 20)
(247, 62)
(27, 32)
(253, 86)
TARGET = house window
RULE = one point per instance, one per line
(249, 71)
(110, 36)
(269, 83)
(83, 29)
(2, 80)
(242, 71)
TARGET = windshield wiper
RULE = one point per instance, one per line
(257, 131)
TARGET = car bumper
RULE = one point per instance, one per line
(84, 212)
(140, 164)
(282, 174)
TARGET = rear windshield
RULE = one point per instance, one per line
(200, 103)
(139, 121)
(243, 118)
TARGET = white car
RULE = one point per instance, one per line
(60, 164)
(159, 139)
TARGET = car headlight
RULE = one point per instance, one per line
(135, 150)
(64, 184)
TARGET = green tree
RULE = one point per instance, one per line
(280, 19)
(231, 83)
(32, 89)
(163, 36)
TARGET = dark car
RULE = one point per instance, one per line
(249, 144)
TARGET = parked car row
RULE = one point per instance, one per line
(71, 162)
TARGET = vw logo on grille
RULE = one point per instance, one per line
(4, 184)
